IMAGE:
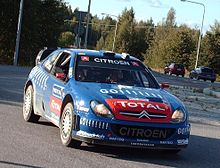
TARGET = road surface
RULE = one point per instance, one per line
(25, 144)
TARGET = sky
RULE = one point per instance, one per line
(186, 12)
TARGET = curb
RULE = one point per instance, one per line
(210, 92)
(193, 89)
(206, 91)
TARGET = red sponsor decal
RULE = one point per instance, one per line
(60, 75)
(84, 58)
(140, 110)
(55, 105)
(134, 63)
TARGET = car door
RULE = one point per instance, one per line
(57, 80)
(40, 80)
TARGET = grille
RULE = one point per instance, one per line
(144, 114)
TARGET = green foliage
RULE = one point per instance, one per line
(8, 21)
(43, 21)
(52, 23)
(210, 55)
(171, 44)
(66, 39)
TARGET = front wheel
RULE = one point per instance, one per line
(66, 126)
(28, 109)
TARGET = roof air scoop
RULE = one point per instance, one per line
(108, 53)
(125, 55)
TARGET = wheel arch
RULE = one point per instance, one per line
(68, 98)
(28, 83)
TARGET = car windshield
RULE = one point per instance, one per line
(179, 66)
(207, 70)
(120, 72)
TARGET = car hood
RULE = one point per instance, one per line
(132, 103)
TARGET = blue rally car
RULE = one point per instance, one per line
(105, 98)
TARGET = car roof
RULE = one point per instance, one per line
(101, 53)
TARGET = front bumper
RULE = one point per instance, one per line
(132, 134)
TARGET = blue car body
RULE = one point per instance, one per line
(140, 116)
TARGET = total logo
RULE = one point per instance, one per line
(55, 105)
(144, 105)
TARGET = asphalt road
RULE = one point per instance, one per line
(25, 144)
(187, 82)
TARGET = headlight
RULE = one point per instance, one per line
(100, 109)
(178, 116)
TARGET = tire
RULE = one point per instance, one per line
(66, 126)
(212, 81)
(170, 73)
(28, 109)
(197, 78)
(183, 76)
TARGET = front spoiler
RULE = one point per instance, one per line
(131, 144)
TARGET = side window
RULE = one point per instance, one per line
(61, 68)
(145, 79)
(48, 63)
(198, 70)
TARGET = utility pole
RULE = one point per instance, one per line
(87, 24)
(200, 33)
(116, 28)
(18, 33)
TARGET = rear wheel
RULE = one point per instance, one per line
(212, 81)
(28, 110)
(170, 73)
(66, 126)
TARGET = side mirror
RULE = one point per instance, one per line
(164, 85)
(60, 75)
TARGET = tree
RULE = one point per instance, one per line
(8, 21)
(171, 18)
(66, 39)
(43, 21)
(104, 32)
(210, 55)
(171, 44)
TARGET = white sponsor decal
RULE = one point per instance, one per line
(55, 105)
(183, 130)
(183, 141)
(116, 139)
(129, 92)
(57, 91)
(83, 109)
(110, 61)
(166, 142)
(126, 104)
(141, 144)
(89, 135)
(142, 140)
(70, 72)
